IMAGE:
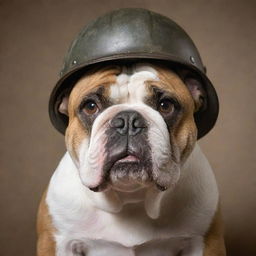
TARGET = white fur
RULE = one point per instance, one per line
(130, 88)
(189, 207)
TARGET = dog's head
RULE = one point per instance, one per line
(131, 126)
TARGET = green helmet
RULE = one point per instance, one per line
(132, 34)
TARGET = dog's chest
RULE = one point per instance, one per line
(132, 233)
(170, 247)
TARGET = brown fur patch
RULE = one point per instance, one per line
(214, 241)
(75, 132)
(45, 243)
(89, 83)
(185, 132)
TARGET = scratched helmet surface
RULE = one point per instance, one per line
(127, 34)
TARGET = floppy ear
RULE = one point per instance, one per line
(63, 106)
(197, 91)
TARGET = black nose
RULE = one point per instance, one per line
(128, 123)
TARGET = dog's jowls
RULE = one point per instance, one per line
(134, 181)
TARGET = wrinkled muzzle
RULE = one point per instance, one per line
(128, 149)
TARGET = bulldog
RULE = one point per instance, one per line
(134, 180)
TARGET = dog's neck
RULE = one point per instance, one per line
(113, 201)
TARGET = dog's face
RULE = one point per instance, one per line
(131, 127)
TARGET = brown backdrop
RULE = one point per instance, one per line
(35, 36)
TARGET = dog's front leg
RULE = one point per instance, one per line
(214, 240)
(45, 243)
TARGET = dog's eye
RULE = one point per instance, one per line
(166, 106)
(90, 107)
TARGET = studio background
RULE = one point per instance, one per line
(35, 36)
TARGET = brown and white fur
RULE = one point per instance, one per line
(157, 195)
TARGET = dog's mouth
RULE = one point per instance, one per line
(128, 159)
(129, 170)
(126, 171)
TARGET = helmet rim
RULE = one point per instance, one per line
(204, 120)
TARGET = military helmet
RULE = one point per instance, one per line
(132, 34)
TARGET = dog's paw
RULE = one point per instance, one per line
(78, 248)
